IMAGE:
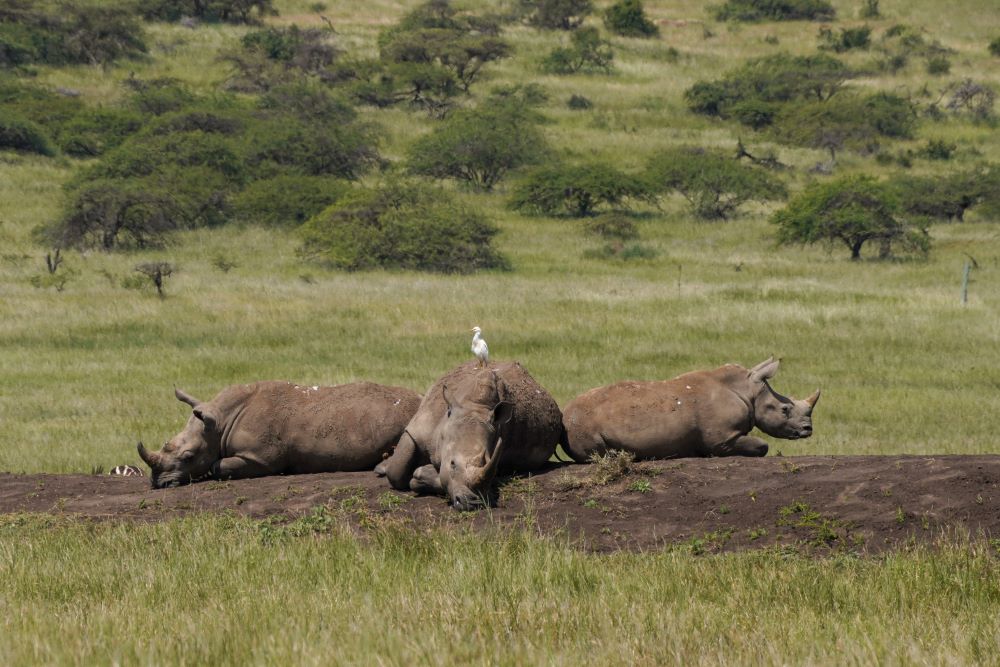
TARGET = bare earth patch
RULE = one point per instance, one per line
(812, 503)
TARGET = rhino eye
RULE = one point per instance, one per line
(786, 410)
(449, 413)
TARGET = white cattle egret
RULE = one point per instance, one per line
(479, 347)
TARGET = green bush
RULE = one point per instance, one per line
(146, 154)
(107, 214)
(627, 18)
(159, 96)
(587, 52)
(852, 210)
(93, 132)
(404, 226)
(286, 200)
(556, 14)
(480, 146)
(614, 226)
(774, 10)
(21, 134)
(755, 91)
(846, 122)
(946, 198)
(70, 33)
(847, 40)
(938, 65)
(715, 185)
(228, 11)
(576, 190)
(287, 145)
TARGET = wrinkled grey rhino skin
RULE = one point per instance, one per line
(703, 413)
(273, 428)
(472, 424)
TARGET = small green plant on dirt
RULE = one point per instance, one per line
(590, 503)
(709, 542)
(641, 486)
(390, 500)
(725, 509)
(900, 516)
(756, 533)
(823, 530)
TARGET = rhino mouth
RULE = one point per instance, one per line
(172, 480)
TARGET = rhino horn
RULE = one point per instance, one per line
(151, 458)
(481, 475)
(185, 397)
(812, 399)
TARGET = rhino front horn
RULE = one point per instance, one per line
(812, 399)
(146, 455)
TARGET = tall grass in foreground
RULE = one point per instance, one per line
(234, 591)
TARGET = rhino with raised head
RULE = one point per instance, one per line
(273, 428)
(703, 413)
(472, 424)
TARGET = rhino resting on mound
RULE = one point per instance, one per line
(274, 428)
(703, 413)
(473, 423)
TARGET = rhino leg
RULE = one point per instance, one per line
(399, 467)
(744, 445)
(426, 480)
(234, 467)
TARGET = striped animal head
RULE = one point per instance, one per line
(127, 471)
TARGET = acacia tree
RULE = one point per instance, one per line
(852, 210)
(480, 146)
(576, 189)
(714, 185)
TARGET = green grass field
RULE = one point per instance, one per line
(903, 365)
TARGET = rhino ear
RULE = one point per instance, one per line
(765, 370)
(449, 400)
(206, 415)
(502, 413)
(185, 397)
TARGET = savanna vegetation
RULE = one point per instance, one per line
(316, 182)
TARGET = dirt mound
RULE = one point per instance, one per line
(856, 503)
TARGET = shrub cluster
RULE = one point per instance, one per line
(39, 121)
(587, 52)
(774, 10)
(74, 32)
(431, 56)
(715, 185)
(401, 225)
(576, 190)
(269, 161)
(555, 14)
(228, 11)
(754, 92)
(627, 18)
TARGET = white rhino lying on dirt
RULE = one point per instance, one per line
(471, 424)
(703, 413)
(273, 428)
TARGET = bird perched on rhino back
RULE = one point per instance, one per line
(479, 348)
